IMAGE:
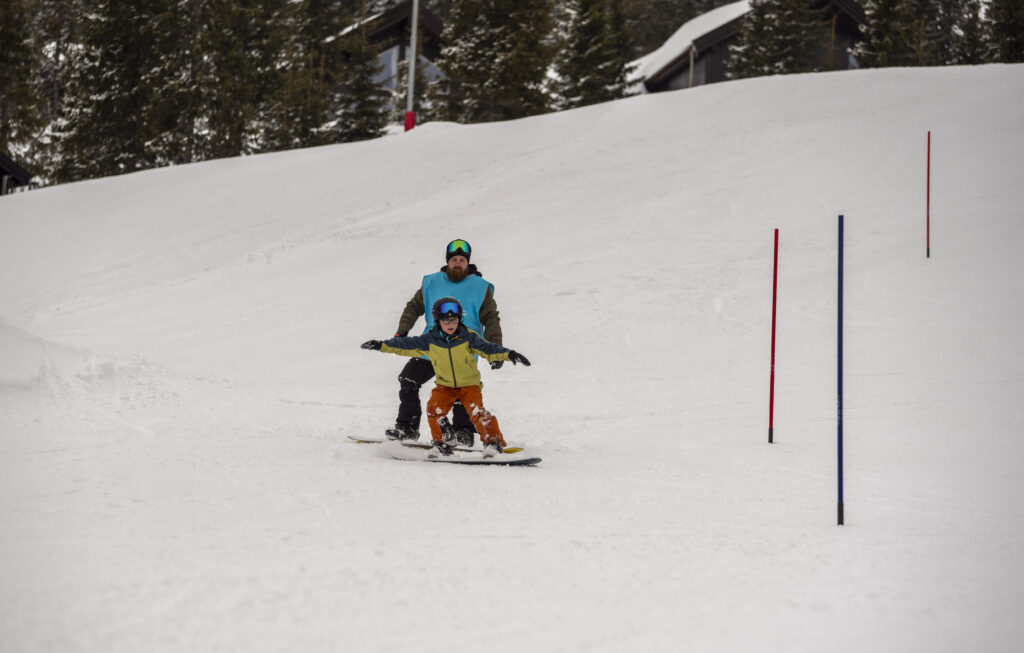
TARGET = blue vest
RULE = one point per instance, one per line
(470, 292)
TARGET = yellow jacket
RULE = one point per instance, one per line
(453, 356)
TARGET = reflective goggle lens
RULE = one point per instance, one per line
(457, 245)
(450, 307)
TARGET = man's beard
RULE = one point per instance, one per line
(456, 275)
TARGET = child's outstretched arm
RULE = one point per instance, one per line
(411, 346)
(493, 352)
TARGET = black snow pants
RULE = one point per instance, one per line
(415, 373)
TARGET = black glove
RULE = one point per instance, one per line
(496, 365)
(371, 344)
(517, 358)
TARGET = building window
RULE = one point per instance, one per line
(387, 77)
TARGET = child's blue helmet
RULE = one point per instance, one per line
(446, 307)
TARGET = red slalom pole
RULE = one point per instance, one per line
(928, 203)
(771, 391)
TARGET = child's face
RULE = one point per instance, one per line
(449, 325)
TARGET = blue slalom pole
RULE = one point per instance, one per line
(840, 368)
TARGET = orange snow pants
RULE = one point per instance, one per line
(443, 398)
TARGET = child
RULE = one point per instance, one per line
(452, 349)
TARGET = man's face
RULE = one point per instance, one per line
(450, 324)
(458, 262)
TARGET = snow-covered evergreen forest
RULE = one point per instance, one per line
(97, 88)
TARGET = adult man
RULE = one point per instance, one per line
(459, 279)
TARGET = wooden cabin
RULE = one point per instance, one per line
(698, 53)
(12, 175)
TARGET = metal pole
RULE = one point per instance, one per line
(771, 391)
(691, 65)
(410, 114)
(840, 375)
(928, 203)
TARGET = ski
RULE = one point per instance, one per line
(416, 444)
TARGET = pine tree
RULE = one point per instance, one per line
(169, 81)
(925, 32)
(649, 23)
(577, 64)
(918, 32)
(970, 45)
(800, 37)
(618, 48)
(948, 15)
(104, 130)
(780, 37)
(1006, 24)
(516, 86)
(753, 54)
(358, 101)
(180, 83)
(495, 60)
(244, 45)
(443, 8)
(56, 26)
(22, 108)
(214, 68)
(592, 64)
(889, 35)
(462, 70)
(302, 112)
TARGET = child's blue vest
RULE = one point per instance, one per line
(470, 292)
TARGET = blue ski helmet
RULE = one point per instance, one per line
(446, 307)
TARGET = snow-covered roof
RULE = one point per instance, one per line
(357, 25)
(684, 37)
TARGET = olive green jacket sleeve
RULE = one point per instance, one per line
(413, 310)
(490, 319)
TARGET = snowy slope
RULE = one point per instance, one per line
(179, 367)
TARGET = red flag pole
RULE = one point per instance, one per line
(771, 392)
(410, 112)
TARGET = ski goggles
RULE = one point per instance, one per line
(459, 247)
(449, 309)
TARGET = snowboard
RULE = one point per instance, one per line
(401, 451)
(416, 444)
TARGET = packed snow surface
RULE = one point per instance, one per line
(180, 369)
